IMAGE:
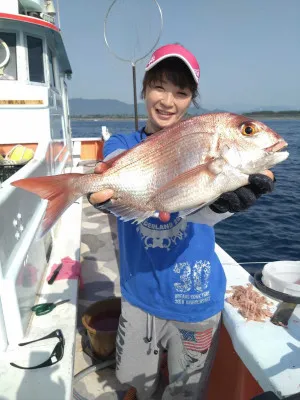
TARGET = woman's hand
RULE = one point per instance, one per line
(100, 197)
(97, 198)
(245, 196)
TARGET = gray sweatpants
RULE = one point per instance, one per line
(191, 347)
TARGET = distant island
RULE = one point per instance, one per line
(273, 114)
(108, 109)
(254, 114)
(107, 117)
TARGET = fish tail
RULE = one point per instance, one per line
(59, 190)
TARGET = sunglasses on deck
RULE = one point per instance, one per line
(55, 356)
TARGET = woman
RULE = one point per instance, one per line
(172, 282)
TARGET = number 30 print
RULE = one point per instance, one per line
(192, 277)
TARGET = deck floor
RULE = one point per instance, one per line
(99, 257)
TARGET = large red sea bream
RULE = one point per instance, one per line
(181, 168)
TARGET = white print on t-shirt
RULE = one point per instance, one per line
(193, 278)
(162, 235)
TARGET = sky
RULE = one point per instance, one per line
(248, 50)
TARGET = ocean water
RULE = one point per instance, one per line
(269, 230)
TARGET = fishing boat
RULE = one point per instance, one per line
(80, 253)
(35, 140)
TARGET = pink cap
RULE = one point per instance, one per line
(176, 50)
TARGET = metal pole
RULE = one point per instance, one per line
(134, 97)
(58, 13)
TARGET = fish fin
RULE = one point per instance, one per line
(126, 213)
(143, 217)
(232, 156)
(57, 189)
(182, 179)
(111, 159)
(170, 196)
(155, 145)
(185, 213)
(55, 208)
(189, 211)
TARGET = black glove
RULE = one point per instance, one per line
(245, 196)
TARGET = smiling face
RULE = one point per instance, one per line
(168, 90)
(166, 104)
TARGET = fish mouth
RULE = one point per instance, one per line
(277, 147)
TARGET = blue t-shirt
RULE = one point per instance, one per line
(169, 270)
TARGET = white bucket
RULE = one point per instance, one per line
(283, 276)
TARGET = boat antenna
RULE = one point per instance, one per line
(133, 59)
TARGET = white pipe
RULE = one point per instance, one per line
(58, 14)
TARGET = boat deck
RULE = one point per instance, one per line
(100, 273)
(99, 255)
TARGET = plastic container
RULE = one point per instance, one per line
(6, 171)
(283, 276)
(101, 322)
(19, 154)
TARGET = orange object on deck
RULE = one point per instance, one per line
(91, 150)
(130, 394)
(230, 379)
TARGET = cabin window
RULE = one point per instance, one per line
(8, 60)
(51, 69)
(35, 59)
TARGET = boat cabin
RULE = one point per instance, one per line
(35, 140)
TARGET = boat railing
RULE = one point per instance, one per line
(87, 148)
(20, 253)
(255, 349)
(21, 213)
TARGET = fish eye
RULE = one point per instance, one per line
(248, 130)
